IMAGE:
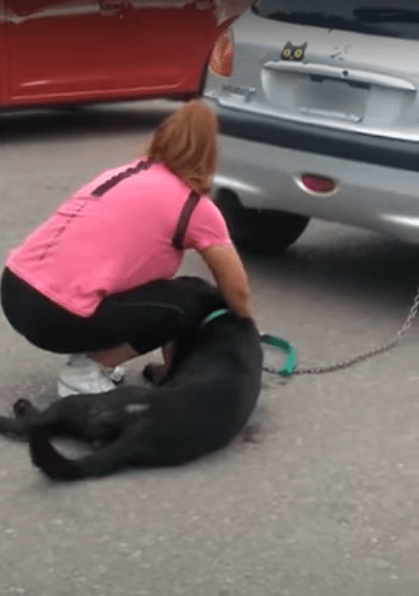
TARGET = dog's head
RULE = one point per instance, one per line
(204, 297)
(204, 291)
(196, 284)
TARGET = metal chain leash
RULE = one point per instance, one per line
(314, 370)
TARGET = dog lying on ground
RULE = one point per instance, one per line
(201, 404)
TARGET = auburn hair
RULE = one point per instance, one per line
(186, 142)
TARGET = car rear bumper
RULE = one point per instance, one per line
(278, 132)
(268, 176)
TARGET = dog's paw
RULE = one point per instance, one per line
(21, 407)
(154, 373)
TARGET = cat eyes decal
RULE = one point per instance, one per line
(292, 52)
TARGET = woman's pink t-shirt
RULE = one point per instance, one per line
(91, 247)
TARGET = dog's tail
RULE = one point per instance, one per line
(59, 467)
(48, 459)
(13, 426)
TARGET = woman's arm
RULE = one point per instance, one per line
(230, 275)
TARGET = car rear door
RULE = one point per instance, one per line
(83, 50)
(3, 57)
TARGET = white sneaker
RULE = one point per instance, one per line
(82, 374)
(116, 374)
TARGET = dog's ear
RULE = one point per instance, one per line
(196, 283)
(207, 294)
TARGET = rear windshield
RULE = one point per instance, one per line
(396, 18)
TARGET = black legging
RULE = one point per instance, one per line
(146, 317)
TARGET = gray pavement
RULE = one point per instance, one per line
(325, 503)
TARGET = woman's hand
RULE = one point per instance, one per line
(230, 275)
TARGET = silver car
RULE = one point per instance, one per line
(319, 112)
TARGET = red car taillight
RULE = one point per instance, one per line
(318, 184)
(221, 61)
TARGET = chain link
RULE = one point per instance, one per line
(314, 370)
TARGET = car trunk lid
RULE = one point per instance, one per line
(340, 79)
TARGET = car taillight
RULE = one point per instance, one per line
(318, 184)
(221, 61)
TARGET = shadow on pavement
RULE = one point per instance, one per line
(347, 262)
(81, 121)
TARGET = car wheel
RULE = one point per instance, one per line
(262, 231)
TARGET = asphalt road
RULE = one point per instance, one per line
(325, 503)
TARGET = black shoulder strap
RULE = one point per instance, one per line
(111, 182)
(184, 217)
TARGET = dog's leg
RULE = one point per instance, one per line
(25, 415)
(111, 458)
(23, 408)
(157, 373)
(13, 426)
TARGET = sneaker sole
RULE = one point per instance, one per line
(66, 390)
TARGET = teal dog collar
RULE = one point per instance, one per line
(214, 315)
(290, 351)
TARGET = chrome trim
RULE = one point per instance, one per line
(227, 182)
(110, 7)
(77, 7)
(222, 9)
(245, 92)
(344, 74)
(406, 221)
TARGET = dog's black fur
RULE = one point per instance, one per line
(203, 402)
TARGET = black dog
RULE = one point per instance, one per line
(203, 402)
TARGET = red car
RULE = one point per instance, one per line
(80, 51)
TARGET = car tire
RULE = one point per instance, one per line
(261, 231)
